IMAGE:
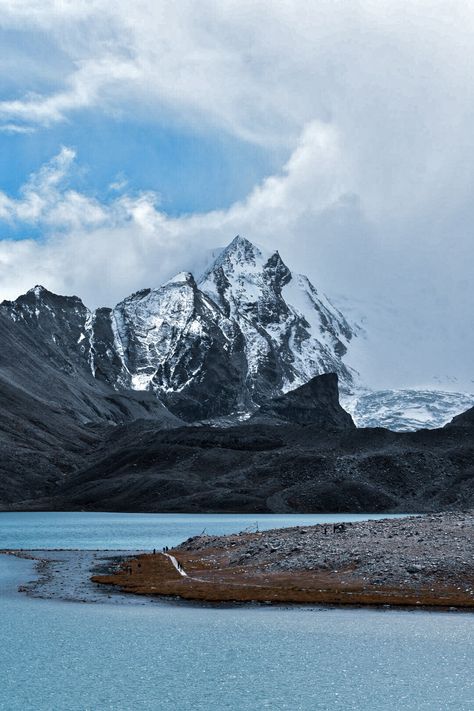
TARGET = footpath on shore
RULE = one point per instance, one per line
(413, 561)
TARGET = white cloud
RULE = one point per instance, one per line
(119, 184)
(132, 242)
(393, 80)
(15, 128)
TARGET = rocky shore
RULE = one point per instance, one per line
(66, 575)
(426, 560)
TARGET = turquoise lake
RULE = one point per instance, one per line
(61, 656)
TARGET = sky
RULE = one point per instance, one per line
(135, 137)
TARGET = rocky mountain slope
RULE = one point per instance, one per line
(266, 464)
(275, 468)
(52, 410)
(291, 332)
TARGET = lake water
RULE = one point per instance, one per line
(117, 531)
(58, 656)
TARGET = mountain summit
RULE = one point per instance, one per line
(291, 332)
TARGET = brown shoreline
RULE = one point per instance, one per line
(220, 569)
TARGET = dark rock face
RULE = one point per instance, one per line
(273, 468)
(464, 420)
(315, 403)
(105, 363)
(55, 325)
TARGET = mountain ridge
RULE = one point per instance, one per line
(206, 350)
(218, 345)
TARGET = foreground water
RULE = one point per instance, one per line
(68, 656)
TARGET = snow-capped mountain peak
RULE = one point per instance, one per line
(288, 327)
(240, 252)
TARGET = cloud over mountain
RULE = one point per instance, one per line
(368, 107)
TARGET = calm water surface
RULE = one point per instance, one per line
(140, 531)
(65, 656)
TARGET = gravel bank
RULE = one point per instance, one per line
(432, 548)
(414, 561)
(66, 575)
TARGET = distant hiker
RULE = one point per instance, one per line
(154, 551)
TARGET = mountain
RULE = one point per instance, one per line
(273, 466)
(299, 453)
(215, 394)
(179, 352)
(248, 331)
(70, 442)
(217, 347)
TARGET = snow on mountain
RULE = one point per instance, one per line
(291, 332)
(155, 332)
(250, 330)
(237, 325)
(405, 410)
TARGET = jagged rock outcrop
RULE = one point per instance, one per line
(464, 421)
(314, 403)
